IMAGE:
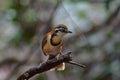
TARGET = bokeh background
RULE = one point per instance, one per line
(95, 41)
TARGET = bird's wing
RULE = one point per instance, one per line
(44, 41)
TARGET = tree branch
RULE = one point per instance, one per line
(113, 15)
(45, 66)
(74, 63)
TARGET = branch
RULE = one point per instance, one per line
(113, 15)
(74, 63)
(9, 61)
(47, 66)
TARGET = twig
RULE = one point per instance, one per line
(113, 15)
(9, 61)
(74, 63)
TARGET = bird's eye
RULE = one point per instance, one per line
(56, 30)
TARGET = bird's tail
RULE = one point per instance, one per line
(60, 67)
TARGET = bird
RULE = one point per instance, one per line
(52, 44)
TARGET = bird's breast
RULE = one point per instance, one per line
(54, 50)
(51, 49)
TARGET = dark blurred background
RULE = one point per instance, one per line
(95, 41)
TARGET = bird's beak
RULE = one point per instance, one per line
(68, 31)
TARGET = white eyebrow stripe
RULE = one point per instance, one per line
(59, 29)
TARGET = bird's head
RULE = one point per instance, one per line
(61, 30)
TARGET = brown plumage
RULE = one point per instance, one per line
(52, 43)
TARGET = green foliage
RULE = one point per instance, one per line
(40, 77)
(117, 46)
(30, 16)
(26, 18)
(27, 35)
(76, 1)
(5, 4)
(109, 34)
(81, 15)
(107, 4)
(16, 39)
